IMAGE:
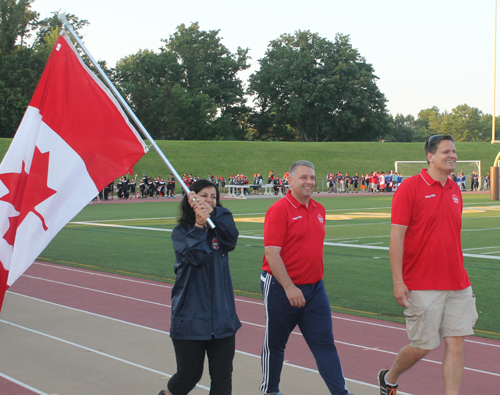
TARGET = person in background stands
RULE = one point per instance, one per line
(486, 181)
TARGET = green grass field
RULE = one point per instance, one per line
(134, 239)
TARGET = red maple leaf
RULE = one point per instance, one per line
(26, 191)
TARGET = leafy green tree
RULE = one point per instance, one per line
(321, 90)
(207, 66)
(141, 78)
(17, 68)
(17, 21)
(150, 82)
(466, 123)
(486, 121)
(401, 128)
(428, 123)
(190, 89)
(21, 63)
(208, 69)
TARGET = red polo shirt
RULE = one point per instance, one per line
(300, 232)
(432, 257)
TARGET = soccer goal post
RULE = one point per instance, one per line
(411, 168)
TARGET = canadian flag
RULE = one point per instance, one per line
(74, 139)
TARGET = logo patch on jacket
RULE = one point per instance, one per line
(455, 198)
(320, 218)
(215, 244)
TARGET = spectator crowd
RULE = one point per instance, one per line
(374, 182)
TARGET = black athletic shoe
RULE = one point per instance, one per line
(384, 388)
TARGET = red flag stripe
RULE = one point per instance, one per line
(93, 124)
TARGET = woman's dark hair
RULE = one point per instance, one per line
(187, 215)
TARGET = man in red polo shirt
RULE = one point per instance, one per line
(428, 268)
(292, 286)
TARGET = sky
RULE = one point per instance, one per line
(425, 53)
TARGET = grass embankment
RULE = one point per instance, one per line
(224, 158)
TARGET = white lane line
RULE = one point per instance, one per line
(317, 371)
(21, 384)
(381, 351)
(101, 274)
(167, 333)
(97, 290)
(256, 301)
(103, 354)
(245, 322)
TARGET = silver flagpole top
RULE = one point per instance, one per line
(62, 18)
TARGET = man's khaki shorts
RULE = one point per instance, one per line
(435, 314)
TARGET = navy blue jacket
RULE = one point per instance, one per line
(202, 297)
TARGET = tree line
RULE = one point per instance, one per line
(307, 88)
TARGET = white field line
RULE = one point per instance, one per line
(479, 230)
(478, 248)
(359, 238)
(120, 226)
(363, 246)
(129, 219)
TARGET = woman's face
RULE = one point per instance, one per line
(209, 195)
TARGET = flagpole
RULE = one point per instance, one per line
(67, 26)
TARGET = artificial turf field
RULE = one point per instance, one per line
(134, 239)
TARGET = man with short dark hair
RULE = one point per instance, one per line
(428, 268)
(292, 282)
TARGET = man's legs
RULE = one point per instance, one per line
(423, 319)
(453, 364)
(407, 357)
(281, 318)
(451, 314)
(316, 326)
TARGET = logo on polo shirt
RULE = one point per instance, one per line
(215, 244)
(430, 196)
(455, 198)
(295, 218)
(320, 218)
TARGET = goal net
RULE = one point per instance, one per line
(411, 168)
